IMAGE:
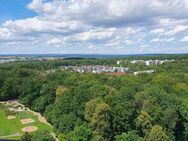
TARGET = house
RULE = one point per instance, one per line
(94, 69)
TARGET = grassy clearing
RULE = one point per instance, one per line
(41, 126)
(4, 125)
(13, 138)
(13, 126)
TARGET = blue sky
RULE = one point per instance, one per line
(14, 9)
(93, 26)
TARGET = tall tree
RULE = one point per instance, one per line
(157, 134)
(100, 121)
(143, 123)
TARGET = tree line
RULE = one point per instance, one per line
(84, 107)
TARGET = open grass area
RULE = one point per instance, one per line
(4, 124)
(14, 126)
(41, 126)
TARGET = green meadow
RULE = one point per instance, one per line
(11, 128)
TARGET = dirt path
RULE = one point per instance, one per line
(54, 136)
(40, 117)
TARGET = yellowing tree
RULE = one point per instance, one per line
(100, 121)
(90, 108)
(60, 90)
(143, 122)
(157, 134)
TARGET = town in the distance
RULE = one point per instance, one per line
(120, 68)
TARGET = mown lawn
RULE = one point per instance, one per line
(9, 127)
(4, 125)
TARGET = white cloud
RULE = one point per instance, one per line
(113, 44)
(176, 30)
(4, 33)
(40, 6)
(128, 42)
(184, 39)
(166, 22)
(162, 40)
(94, 35)
(94, 23)
(157, 31)
(57, 41)
(168, 39)
(155, 40)
(36, 24)
(66, 17)
(92, 47)
(35, 5)
(110, 12)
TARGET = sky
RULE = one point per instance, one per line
(93, 26)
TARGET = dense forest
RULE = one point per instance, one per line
(99, 107)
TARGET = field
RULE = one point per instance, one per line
(12, 128)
